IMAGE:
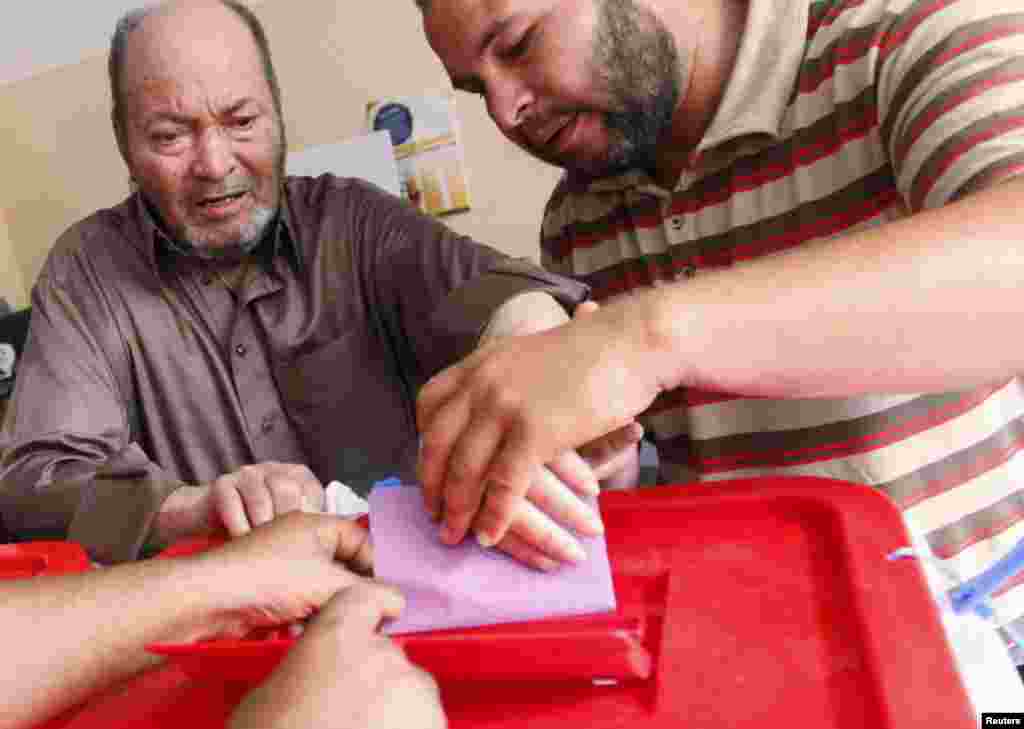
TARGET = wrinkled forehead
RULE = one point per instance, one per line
(217, 57)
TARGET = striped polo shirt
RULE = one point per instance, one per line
(839, 116)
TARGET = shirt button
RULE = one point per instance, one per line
(207, 279)
(241, 349)
(268, 424)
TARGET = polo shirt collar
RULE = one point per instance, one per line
(758, 91)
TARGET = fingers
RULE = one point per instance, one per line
(464, 485)
(256, 494)
(551, 496)
(314, 497)
(606, 454)
(575, 472)
(508, 481)
(457, 487)
(361, 607)
(228, 505)
(534, 529)
(441, 430)
(522, 551)
(285, 495)
(353, 546)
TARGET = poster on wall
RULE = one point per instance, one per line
(425, 134)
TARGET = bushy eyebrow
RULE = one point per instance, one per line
(184, 119)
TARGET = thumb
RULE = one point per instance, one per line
(349, 542)
(359, 608)
(603, 454)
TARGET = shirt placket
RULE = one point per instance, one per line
(676, 227)
(270, 432)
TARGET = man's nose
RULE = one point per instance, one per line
(509, 104)
(215, 157)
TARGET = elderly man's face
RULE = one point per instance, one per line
(589, 85)
(201, 135)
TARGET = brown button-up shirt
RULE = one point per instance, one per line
(146, 371)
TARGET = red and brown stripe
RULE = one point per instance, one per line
(949, 541)
(787, 448)
(853, 205)
(957, 468)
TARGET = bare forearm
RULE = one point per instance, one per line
(88, 631)
(927, 303)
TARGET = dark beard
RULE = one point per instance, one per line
(636, 59)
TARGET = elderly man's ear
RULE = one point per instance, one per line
(122, 147)
(118, 135)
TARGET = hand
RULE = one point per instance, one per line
(539, 529)
(343, 673)
(495, 417)
(282, 572)
(615, 458)
(239, 501)
(539, 533)
(536, 534)
(254, 495)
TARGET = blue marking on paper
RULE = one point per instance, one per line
(389, 482)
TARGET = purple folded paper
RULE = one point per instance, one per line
(467, 585)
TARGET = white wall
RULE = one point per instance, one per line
(12, 283)
(39, 36)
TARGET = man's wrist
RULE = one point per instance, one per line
(194, 586)
(663, 330)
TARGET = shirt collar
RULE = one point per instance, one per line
(757, 93)
(160, 249)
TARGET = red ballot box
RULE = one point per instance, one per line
(748, 603)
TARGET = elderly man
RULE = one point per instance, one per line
(342, 671)
(211, 350)
(814, 208)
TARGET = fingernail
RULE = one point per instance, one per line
(595, 524)
(544, 564)
(576, 553)
(485, 540)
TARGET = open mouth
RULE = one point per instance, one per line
(215, 201)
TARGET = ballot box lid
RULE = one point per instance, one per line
(742, 604)
(31, 559)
